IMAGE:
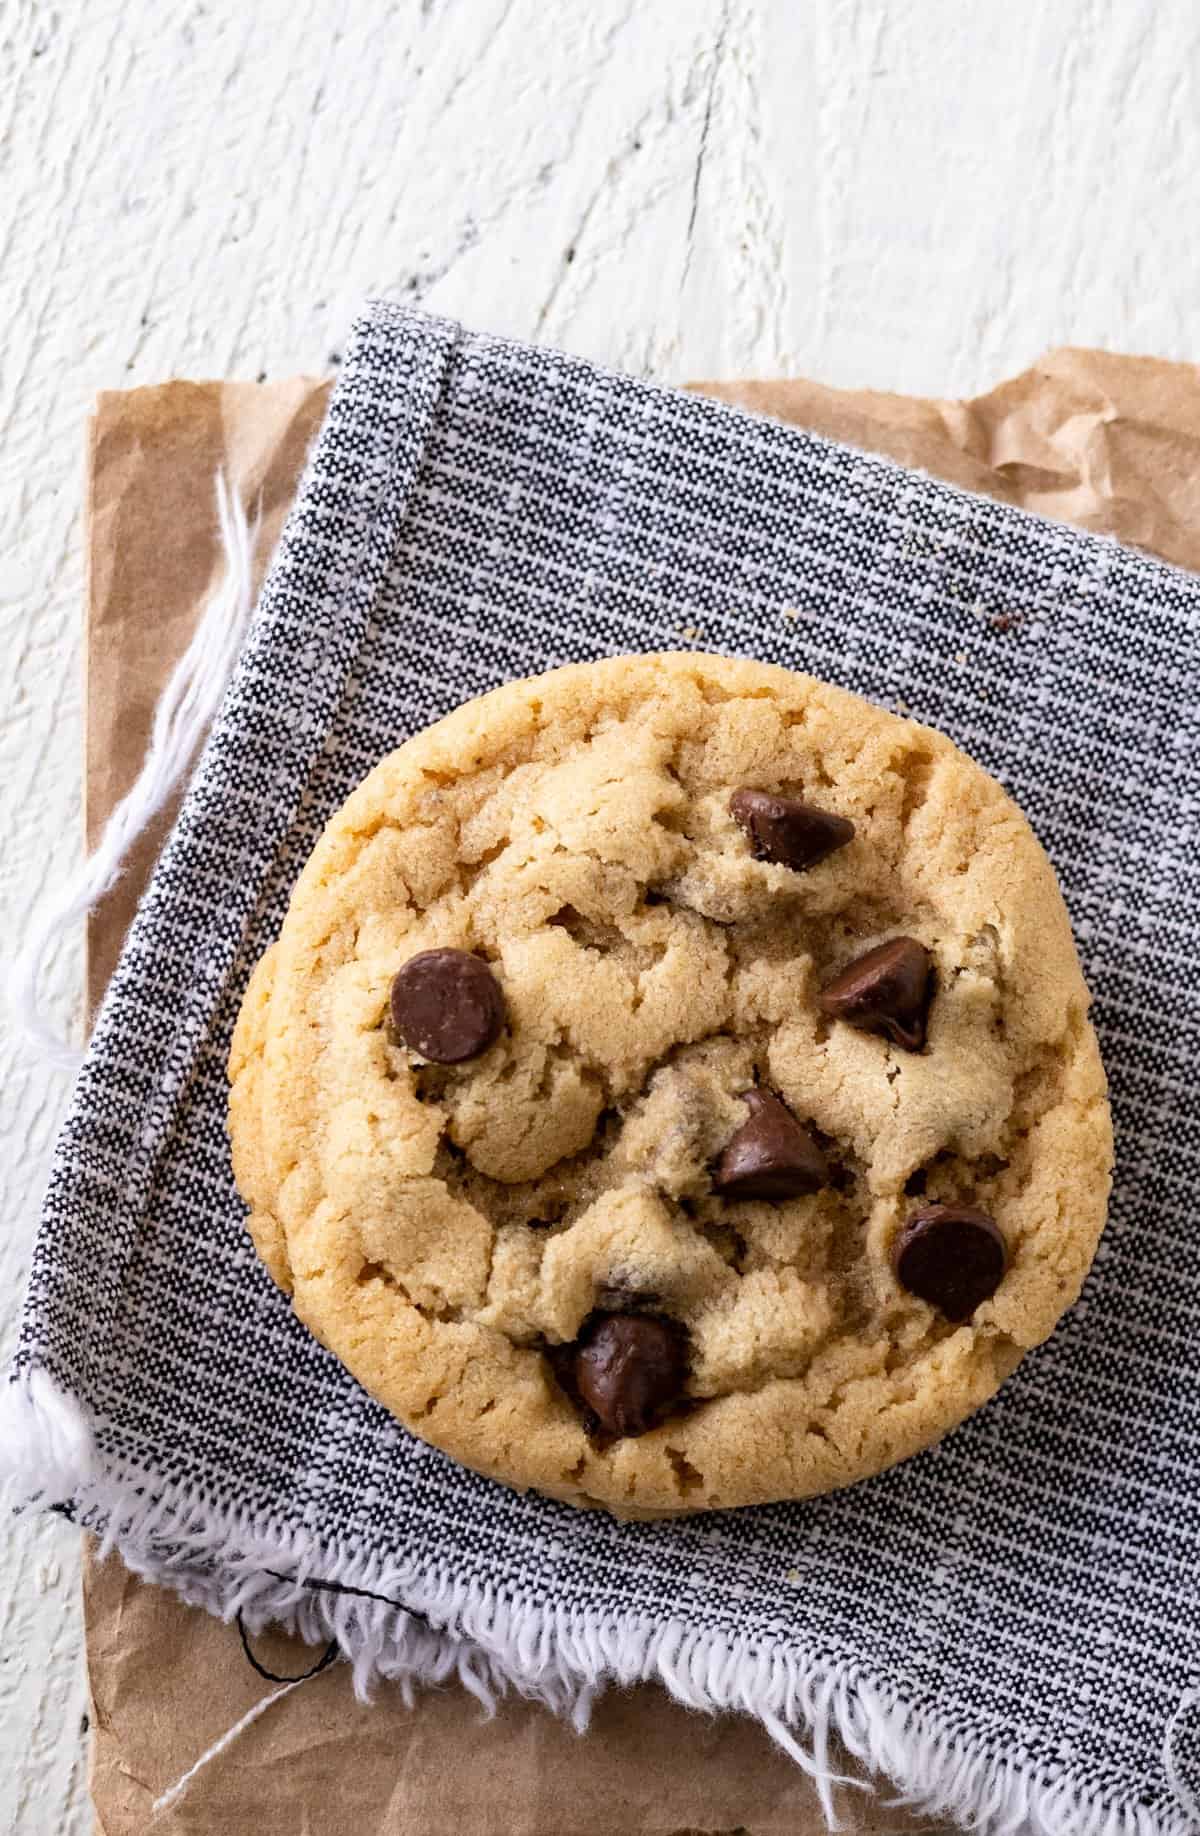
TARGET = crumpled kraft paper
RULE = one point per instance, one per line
(153, 554)
(1109, 442)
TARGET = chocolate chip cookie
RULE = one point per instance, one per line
(672, 1087)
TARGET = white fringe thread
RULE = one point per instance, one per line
(47, 1455)
(1179, 1785)
(174, 1792)
(184, 713)
(220, 1560)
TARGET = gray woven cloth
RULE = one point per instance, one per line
(1006, 1623)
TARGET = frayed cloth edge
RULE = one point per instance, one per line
(431, 1629)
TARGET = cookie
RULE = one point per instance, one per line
(672, 1087)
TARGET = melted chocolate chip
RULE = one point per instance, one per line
(772, 1156)
(784, 830)
(886, 991)
(447, 1005)
(952, 1256)
(629, 1369)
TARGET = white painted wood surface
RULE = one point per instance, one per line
(913, 194)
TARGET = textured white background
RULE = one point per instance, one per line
(914, 194)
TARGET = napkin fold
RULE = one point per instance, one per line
(1004, 1624)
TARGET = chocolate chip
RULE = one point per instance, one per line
(447, 1005)
(886, 991)
(629, 1369)
(772, 1156)
(952, 1256)
(784, 830)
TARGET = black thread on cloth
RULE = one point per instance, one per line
(321, 1664)
(360, 1593)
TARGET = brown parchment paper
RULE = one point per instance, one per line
(1109, 442)
(153, 554)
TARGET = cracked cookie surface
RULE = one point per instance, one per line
(452, 1230)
